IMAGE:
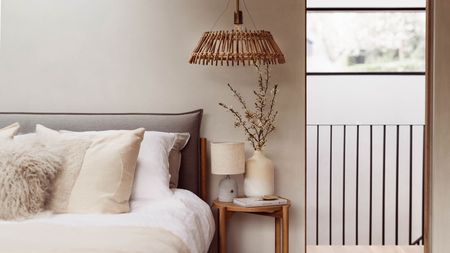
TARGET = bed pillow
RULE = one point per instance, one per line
(30, 137)
(27, 171)
(105, 180)
(175, 158)
(9, 131)
(73, 151)
(152, 171)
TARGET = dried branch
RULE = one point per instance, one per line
(240, 122)
(260, 123)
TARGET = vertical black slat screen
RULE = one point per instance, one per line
(357, 185)
(399, 146)
(317, 184)
(410, 181)
(397, 182)
(383, 218)
(331, 184)
(343, 185)
(371, 186)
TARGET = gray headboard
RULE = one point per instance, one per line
(163, 122)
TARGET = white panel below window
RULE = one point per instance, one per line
(366, 99)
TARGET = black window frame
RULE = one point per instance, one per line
(363, 9)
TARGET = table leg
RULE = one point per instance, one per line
(285, 229)
(222, 230)
(277, 235)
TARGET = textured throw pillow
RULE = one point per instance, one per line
(175, 157)
(73, 151)
(9, 131)
(26, 174)
(106, 177)
(152, 171)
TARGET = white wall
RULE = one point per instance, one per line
(131, 56)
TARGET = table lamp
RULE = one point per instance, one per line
(227, 158)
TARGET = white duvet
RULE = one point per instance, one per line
(183, 214)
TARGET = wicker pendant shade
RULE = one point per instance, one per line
(237, 47)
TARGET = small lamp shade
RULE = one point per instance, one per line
(227, 158)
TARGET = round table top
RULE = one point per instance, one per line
(230, 206)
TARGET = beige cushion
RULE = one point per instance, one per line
(106, 177)
(9, 131)
(73, 151)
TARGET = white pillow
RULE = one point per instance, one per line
(152, 171)
(30, 137)
(8, 132)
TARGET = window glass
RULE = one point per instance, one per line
(360, 41)
(365, 3)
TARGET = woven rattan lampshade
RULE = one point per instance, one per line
(237, 47)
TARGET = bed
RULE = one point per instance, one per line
(181, 223)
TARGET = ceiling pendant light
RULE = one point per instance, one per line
(237, 46)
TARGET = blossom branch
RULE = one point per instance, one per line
(260, 123)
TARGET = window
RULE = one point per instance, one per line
(369, 41)
(366, 4)
(365, 73)
(368, 38)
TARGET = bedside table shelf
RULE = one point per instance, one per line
(279, 212)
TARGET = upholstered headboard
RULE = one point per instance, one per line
(164, 122)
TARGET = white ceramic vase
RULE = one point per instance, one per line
(259, 176)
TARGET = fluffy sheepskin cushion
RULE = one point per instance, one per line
(26, 175)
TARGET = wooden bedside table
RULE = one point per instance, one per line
(279, 212)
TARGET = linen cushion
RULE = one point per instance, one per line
(105, 180)
(73, 151)
(8, 132)
(26, 174)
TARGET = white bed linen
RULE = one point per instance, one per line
(183, 214)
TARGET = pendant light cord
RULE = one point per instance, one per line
(221, 15)
(225, 10)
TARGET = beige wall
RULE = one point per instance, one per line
(440, 207)
(131, 56)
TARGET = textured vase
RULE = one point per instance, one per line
(259, 176)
